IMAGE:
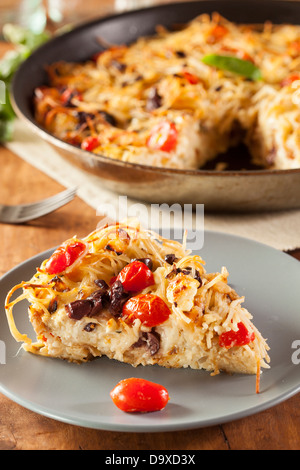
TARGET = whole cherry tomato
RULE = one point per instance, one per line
(136, 276)
(65, 256)
(139, 395)
(150, 309)
(164, 136)
(241, 337)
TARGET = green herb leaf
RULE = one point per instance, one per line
(25, 42)
(20, 36)
(232, 64)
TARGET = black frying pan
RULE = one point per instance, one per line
(249, 190)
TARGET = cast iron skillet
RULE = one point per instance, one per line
(249, 190)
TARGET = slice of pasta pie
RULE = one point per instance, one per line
(133, 296)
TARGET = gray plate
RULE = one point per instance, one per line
(79, 394)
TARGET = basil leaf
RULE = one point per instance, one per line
(232, 64)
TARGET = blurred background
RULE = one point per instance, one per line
(36, 14)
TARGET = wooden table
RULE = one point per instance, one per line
(21, 429)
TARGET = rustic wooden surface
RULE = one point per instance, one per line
(277, 428)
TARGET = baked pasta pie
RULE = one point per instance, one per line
(133, 296)
(181, 98)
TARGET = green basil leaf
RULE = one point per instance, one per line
(232, 64)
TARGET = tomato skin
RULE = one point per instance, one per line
(191, 78)
(90, 143)
(70, 93)
(65, 256)
(217, 33)
(136, 395)
(164, 136)
(150, 309)
(289, 80)
(241, 337)
(136, 276)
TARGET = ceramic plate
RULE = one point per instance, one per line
(79, 394)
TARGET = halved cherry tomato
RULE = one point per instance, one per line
(90, 143)
(290, 79)
(65, 256)
(241, 337)
(164, 136)
(150, 309)
(139, 395)
(136, 276)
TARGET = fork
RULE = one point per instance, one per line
(24, 212)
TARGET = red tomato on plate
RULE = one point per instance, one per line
(150, 309)
(241, 337)
(136, 276)
(139, 395)
(65, 256)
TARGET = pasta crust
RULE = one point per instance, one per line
(203, 307)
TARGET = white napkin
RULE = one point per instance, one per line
(280, 230)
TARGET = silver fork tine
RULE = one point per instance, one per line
(53, 199)
(43, 210)
(25, 212)
(47, 204)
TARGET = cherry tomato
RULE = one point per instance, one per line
(139, 395)
(65, 256)
(164, 136)
(136, 276)
(241, 337)
(70, 93)
(90, 143)
(217, 33)
(289, 80)
(150, 309)
(191, 78)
